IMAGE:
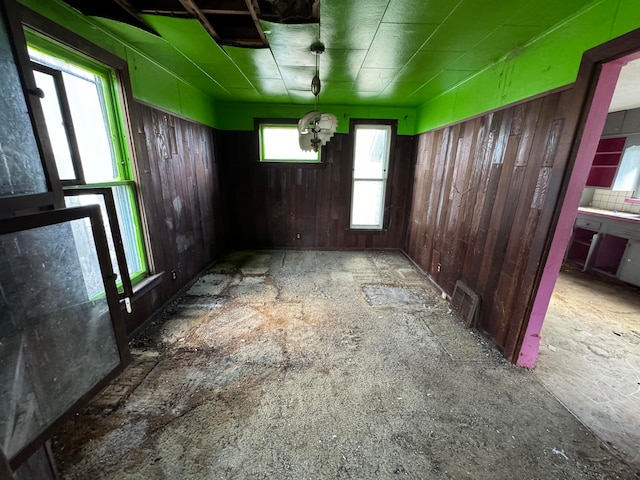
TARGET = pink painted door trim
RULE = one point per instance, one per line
(593, 130)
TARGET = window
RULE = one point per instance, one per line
(280, 143)
(628, 172)
(84, 123)
(370, 163)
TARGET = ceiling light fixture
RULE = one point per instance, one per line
(317, 49)
(316, 128)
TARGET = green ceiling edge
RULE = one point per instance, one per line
(151, 82)
(551, 61)
(240, 116)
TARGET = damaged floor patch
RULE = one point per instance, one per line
(390, 296)
(209, 284)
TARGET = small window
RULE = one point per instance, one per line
(280, 143)
(370, 163)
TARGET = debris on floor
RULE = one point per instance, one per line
(279, 365)
(595, 369)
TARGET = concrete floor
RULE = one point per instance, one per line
(590, 357)
(323, 365)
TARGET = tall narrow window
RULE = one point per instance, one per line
(84, 122)
(370, 163)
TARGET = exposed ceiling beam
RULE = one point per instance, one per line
(193, 9)
(130, 9)
(118, 10)
(254, 10)
(245, 42)
(214, 11)
(171, 13)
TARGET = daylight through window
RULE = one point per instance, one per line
(280, 143)
(83, 119)
(370, 163)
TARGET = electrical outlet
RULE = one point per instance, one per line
(439, 267)
(174, 275)
(297, 236)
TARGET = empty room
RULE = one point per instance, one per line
(308, 239)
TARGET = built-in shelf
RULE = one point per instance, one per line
(605, 162)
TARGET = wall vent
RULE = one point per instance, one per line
(466, 303)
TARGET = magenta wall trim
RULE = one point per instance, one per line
(592, 132)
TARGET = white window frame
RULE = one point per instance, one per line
(380, 221)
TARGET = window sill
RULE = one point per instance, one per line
(146, 285)
(268, 163)
(367, 230)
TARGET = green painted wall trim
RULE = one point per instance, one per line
(549, 62)
(240, 116)
(152, 82)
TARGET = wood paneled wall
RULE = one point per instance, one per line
(180, 192)
(483, 199)
(268, 204)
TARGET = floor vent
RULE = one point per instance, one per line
(466, 303)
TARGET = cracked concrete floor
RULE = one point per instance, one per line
(323, 365)
(590, 357)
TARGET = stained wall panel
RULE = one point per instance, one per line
(269, 204)
(180, 193)
(484, 191)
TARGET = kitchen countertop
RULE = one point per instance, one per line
(623, 216)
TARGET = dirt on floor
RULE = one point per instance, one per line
(590, 356)
(323, 365)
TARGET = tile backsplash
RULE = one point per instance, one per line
(613, 200)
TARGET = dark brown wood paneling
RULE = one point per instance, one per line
(179, 190)
(40, 465)
(483, 196)
(268, 204)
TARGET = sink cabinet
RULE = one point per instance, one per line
(629, 270)
(608, 245)
(580, 245)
